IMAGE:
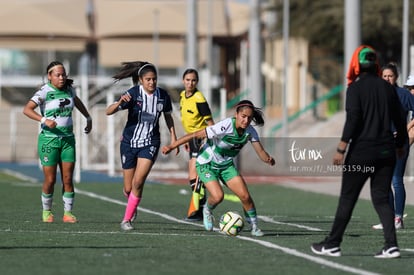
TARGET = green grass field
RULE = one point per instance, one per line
(163, 243)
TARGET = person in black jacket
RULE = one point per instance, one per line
(372, 105)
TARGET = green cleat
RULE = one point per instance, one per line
(47, 216)
(208, 219)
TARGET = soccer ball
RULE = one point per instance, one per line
(231, 223)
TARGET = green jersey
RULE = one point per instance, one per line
(56, 105)
(224, 143)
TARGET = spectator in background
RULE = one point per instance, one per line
(141, 139)
(56, 141)
(397, 198)
(372, 105)
(409, 84)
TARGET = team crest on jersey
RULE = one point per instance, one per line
(45, 159)
(207, 175)
(159, 107)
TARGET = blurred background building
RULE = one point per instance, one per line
(286, 56)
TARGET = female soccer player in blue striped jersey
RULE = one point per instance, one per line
(141, 138)
(215, 162)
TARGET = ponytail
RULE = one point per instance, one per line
(134, 69)
(257, 112)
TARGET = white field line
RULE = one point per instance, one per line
(271, 220)
(267, 244)
(19, 175)
(102, 233)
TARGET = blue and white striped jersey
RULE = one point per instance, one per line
(144, 111)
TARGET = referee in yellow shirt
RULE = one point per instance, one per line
(195, 115)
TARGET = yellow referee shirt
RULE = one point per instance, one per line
(195, 111)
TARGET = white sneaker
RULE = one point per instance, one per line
(378, 226)
(256, 232)
(126, 225)
(325, 249)
(398, 222)
(392, 252)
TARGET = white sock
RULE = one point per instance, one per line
(68, 199)
(47, 200)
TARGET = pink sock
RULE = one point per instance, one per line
(132, 205)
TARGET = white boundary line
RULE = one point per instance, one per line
(19, 175)
(102, 233)
(271, 220)
(267, 244)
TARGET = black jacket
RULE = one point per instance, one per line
(372, 107)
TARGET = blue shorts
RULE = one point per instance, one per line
(129, 155)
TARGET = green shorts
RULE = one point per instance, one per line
(207, 172)
(53, 150)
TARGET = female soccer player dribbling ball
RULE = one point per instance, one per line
(215, 161)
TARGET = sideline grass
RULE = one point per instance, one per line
(164, 244)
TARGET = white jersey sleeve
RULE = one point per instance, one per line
(220, 129)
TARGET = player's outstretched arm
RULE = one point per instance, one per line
(170, 124)
(184, 139)
(263, 155)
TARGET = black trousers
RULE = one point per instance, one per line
(355, 173)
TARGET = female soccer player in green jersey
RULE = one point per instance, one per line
(215, 161)
(56, 143)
